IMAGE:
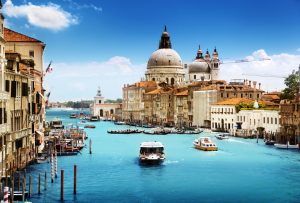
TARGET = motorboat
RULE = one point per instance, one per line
(223, 136)
(89, 126)
(94, 118)
(151, 153)
(73, 115)
(270, 142)
(56, 124)
(205, 144)
(286, 146)
(42, 159)
(119, 123)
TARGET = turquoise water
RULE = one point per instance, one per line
(241, 171)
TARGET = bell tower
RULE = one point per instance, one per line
(98, 99)
(215, 65)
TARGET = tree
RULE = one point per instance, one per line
(292, 86)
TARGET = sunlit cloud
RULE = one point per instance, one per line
(49, 16)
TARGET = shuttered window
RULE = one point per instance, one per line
(7, 85)
(13, 92)
(24, 89)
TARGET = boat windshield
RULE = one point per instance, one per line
(149, 150)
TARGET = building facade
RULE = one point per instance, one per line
(106, 110)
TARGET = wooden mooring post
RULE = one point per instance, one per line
(45, 181)
(39, 184)
(62, 185)
(90, 146)
(29, 187)
(75, 180)
(12, 191)
(23, 189)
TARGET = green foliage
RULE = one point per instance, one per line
(78, 104)
(292, 85)
(113, 101)
(28, 62)
(249, 106)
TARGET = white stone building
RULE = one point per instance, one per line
(201, 107)
(226, 117)
(106, 110)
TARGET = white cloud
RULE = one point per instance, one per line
(50, 16)
(280, 65)
(80, 80)
(78, 6)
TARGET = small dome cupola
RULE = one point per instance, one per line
(215, 54)
(165, 41)
(199, 53)
(207, 55)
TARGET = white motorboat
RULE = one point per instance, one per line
(151, 153)
(205, 144)
(222, 136)
(56, 124)
(286, 146)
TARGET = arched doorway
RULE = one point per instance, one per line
(111, 111)
(101, 112)
(222, 124)
(167, 80)
(172, 81)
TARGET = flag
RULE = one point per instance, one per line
(48, 94)
(49, 68)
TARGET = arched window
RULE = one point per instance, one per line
(101, 112)
(153, 79)
(167, 80)
(172, 81)
(195, 77)
(111, 111)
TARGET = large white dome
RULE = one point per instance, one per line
(164, 57)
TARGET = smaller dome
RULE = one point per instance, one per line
(199, 66)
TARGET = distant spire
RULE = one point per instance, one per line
(215, 50)
(199, 53)
(165, 42)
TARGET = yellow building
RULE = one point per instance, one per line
(31, 52)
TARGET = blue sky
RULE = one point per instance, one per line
(94, 33)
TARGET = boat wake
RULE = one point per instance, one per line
(168, 162)
(237, 141)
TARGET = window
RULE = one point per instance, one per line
(10, 64)
(24, 89)
(7, 85)
(195, 77)
(222, 95)
(271, 120)
(13, 89)
(241, 95)
(268, 120)
(31, 54)
(264, 120)
(275, 121)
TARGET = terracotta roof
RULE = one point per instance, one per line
(159, 91)
(270, 97)
(183, 93)
(13, 36)
(146, 84)
(235, 101)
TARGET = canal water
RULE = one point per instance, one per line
(241, 171)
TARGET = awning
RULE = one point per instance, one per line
(39, 133)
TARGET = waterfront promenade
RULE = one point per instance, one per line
(241, 171)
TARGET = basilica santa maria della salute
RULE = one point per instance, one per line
(180, 94)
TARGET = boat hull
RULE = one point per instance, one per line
(205, 148)
(284, 146)
(151, 161)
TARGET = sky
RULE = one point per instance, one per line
(107, 43)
